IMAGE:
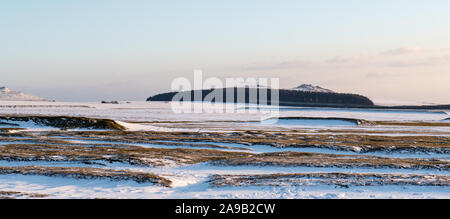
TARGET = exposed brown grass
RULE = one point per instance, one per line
(352, 142)
(132, 155)
(153, 157)
(64, 122)
(337, 179)
(375, 132)
(418, 124)
(10, 129)
(87, 173)
(46, 147)
(14, 195)
(332, 160)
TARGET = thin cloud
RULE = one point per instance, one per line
(435, 60)
(403, 51)
(390, 58)
(339, 60)
(378, 75)
(351, 59)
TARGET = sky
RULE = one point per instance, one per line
(91, 50)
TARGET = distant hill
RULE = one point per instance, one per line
(12, 95)
(312, 88)
(286, 97)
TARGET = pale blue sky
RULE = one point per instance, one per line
(88, 50)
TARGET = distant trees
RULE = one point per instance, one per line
(286, 97)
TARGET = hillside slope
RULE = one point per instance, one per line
(12, 95)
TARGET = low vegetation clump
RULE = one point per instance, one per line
(87, 173)
(333, 160)
(15, 195)
(354, 121)
(335, 179)
(336, 141)
(7, 130)
(64, 122)
(134, 155)
(415, 124)
(98, 154)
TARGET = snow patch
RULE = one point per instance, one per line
(12, 95)
(140, 127)
(312, 88)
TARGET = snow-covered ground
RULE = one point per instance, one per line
(161, 111)
(69, 188)
(190, 181)
(127, 113)
(312, 88)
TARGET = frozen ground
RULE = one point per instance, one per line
(161, 111)
(192, 180)
(68, 188)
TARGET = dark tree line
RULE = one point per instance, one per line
(286, 97)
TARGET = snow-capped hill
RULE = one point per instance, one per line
(12, 95)
(312, 88)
